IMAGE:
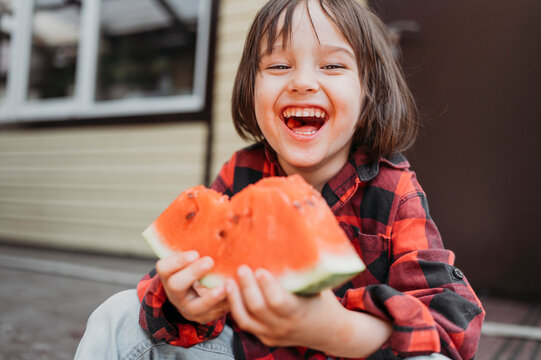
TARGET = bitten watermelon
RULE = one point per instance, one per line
(281, 224)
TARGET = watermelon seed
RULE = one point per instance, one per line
(190, 215)
(235, 219)
(310, 202)
(221, 234)
(297, 204)
(191, 195)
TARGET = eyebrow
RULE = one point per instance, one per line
(327, 48)
(335, 48)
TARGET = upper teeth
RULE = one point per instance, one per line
(304, 112)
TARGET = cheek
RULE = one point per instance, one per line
(260, 101)
(265, 97)
(350, 103)
(259, 111)
(258, 105)
(357, 97)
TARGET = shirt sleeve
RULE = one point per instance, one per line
(431, 305)
(159, 317)
(162, 320)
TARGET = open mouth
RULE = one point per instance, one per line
(304, 121)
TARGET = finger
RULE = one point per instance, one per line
(175, 262)
(239, 312)
(256, 300)
(184, 279)
(213, 302)
(222, 306)
(279, 300)
(251, 293)
(215, 314)
(202, 311)
(200, 289)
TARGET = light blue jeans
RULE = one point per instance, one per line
(113, 332)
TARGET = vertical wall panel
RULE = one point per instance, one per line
(234, 19)
(94, 188)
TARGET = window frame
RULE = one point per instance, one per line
(16, 108)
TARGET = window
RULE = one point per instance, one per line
(53, 53)
(73, 59)
(6, 24)
(144, 49)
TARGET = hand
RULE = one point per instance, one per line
(180, 274)
(260, 305)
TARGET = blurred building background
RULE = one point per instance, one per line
(110, 108)
(475, 71)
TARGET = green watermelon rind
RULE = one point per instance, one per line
(154, 240)
(331, 271)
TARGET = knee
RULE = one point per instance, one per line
(112, 328)
(119, 308)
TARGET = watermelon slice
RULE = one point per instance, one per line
(281, 224)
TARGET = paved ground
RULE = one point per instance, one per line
(47, 296)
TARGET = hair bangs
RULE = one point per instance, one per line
(279, 26)
(388, 121)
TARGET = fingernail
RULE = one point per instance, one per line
(191, 255)
(229, 286)
(206, 263)
(243, 270)
(261, 273)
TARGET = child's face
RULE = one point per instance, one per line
(308, 96)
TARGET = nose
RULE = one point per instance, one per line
(303, 80)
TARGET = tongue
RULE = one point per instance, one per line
(303, 126)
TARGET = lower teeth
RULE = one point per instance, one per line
(306, 132)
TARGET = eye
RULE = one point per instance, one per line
(278, 67)
(333, 67)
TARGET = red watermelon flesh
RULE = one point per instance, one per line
(281, 224)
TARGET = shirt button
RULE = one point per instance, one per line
(458, 274)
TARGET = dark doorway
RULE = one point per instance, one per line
(475, 70)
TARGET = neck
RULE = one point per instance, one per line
(316, 176)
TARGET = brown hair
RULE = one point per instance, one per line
(388, 121)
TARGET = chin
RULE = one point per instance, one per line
(301, 162)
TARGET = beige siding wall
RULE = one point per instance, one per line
(234, 19)
(94, 188)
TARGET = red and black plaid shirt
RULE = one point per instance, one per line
(410, 279)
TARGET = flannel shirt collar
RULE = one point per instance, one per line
(369, 170)
(357, 169)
